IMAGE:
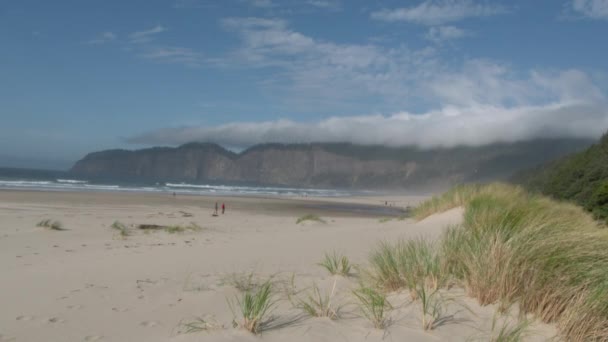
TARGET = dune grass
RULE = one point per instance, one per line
(244, 282)
(174, 229)
(336, 264)
(50, 224)
(515, 247)
(406, 264)
(509, 332)
(432, 308)
(316, 304)
(255, 308)
(310, 217)
(373, 305)
(122, 229)
(200, 324)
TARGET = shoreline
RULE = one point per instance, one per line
(355, 206)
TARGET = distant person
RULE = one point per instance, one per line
(174, 194)
(223, 208)
(215, 211)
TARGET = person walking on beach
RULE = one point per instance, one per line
(223, 208)
(215, 211)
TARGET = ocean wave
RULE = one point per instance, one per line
(71, 181)
(183, 188)
(24, 183)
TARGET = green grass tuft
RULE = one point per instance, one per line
(319, 305)
(406, 264)
(122, 229)
(50, 224)
(310, 217)
(373, 306)
(336, 264)
(255, 308)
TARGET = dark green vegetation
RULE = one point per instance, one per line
(50, 224)
(326, 164)
(514, 247)
(581, 178)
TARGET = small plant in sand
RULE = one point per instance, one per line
(50, 224)
(373, 306)
(243, 282)
(336, 264)
(255, 308)
(433, 307)
(509, 332)
(319, 305)
(121, 228)
(200, 324)
(181, 229)
(310, 217)
(385, 219)
(171, 229)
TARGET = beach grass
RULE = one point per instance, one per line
(255, 308)
(200, 324)
(122, 229)
(406, 264)
(310, 217)
(549, 257)
(317, 304)
(173, 229)
(51, 224)
(432, 308)
(243, 282)
(336, 264)
(373, 305)
(509, 332)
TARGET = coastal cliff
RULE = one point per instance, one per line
(326, 164)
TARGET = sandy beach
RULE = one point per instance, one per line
(89, 283)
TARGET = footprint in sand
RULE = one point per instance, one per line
(149, 324)
(120, 309)
(74, 307)
(93, 338)
(53, 320)
(25, 318)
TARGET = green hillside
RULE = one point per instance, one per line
(581, 177)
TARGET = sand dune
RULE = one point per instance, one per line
(88, 283)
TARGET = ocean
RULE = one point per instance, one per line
(46, 180)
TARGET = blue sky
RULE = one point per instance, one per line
(85, 75)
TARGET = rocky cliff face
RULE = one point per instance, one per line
(325, 165)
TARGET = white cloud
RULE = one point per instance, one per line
(439, 34)
(595, 9)
(325, 4)
(104, 37)
(174, 54)
(437, 12)
(325, 72)
(482, 102)
(450, 126)
(146, 35)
